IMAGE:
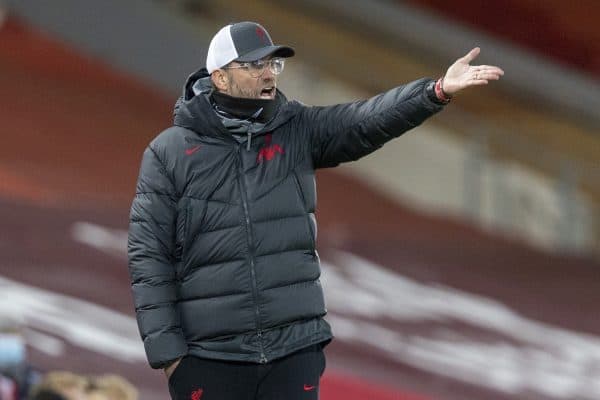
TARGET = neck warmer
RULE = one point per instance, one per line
(245, 109)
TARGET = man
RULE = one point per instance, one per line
(222, 255)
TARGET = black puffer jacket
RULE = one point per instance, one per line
(222, 239)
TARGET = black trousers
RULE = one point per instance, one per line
(294, 377)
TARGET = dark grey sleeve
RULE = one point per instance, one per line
(151, 265)
(347, 132)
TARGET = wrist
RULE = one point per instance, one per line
(441, 95)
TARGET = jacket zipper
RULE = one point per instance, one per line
(252, 118)
(242, 184)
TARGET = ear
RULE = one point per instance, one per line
(220, 80)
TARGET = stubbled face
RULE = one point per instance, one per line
(241, 84)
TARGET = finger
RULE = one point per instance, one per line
(489, 68)
(470, 56)
(477, 82)
(487, 75)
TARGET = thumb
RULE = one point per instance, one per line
(470, 56)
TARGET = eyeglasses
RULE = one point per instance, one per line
(257, 68)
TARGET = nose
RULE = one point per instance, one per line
(267, 73)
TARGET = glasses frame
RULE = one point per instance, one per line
(257, 72)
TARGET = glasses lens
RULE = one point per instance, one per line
(257, 68)
(277, 65)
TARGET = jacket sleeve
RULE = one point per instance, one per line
(151, 267)
(347, 132)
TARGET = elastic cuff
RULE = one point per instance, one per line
(164, 348)
(430, 90)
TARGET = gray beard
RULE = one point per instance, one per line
(236, 91)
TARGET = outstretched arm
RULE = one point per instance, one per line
(347, 132)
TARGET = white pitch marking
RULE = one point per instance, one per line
(111, 241)
(44, 343)
(78, 322)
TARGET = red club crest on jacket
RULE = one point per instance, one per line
(196, 394)
(269, 151)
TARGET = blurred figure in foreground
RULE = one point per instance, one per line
(70, 386)
(111, 387)
(46, 394)
(66, 384)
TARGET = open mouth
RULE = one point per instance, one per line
(268, 93)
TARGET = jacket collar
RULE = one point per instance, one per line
(193, 110)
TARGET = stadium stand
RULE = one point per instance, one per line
(551, 28)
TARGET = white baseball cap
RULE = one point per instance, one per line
(242, 41)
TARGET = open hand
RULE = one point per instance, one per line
(461, 75)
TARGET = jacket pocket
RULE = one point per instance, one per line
(187, 220)
(309, 224)
(179, 244)
(195, 213)
(181, 237)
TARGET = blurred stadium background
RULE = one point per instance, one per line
(460, 262)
